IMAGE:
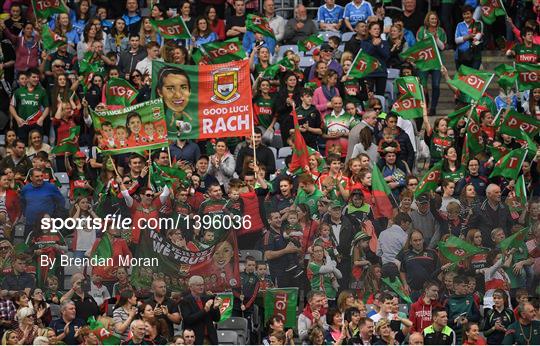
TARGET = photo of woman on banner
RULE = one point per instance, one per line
(134, 127)
(174, 87)
(222, 266)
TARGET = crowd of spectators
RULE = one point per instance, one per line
(324, 230)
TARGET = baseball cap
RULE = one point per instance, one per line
(423, 198)
(326, 46)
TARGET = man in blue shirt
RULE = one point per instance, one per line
(65, 327)
(356, 11)
(330, 16)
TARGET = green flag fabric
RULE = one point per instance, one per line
(104, 336)
(219, 52)
(281, 66)
(172, 28)
(259, 24)
(498, 152)
(381, 193)
(507, 76)
(70, 143)
(455, 117)
(51, 40)
(515, 240)
(103, 249)
(515, 122)
(474, 134)
(120, 92)
(430, 180)
(226, 306)
(310, 43)
(396, 286)
(528, 76)
(424, 54)
(521, 191)
(471, 81)
(43, 9)
(281, 302)
(408, 107)
(509, 166)
(491, 9)
(411, 85)
(455, 249)
(363, 65)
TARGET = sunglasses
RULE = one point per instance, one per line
(136, 76)
(3, 248)
(377, 109)
(148, 195)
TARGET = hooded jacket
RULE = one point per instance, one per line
(420, 314)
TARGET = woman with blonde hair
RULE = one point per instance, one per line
(398, 44)
(148, 33)
(27, 330)
(10, 338)
(322, 96)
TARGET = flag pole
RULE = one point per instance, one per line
(169, 151)
(114, 166)
(437, 50)
(149, 168)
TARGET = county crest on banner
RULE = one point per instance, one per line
(204, 101)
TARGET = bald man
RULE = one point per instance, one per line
(492, 213)
(416, 339)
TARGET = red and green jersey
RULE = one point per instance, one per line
(212, 206)
(526, 54)
(320, 282)
(454, 176)
(310, 200)
(342, 123)
(438, 145)
(262, 111)
(30, 104)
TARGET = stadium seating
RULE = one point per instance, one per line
(238, 325)
(327, 34)
(284, 152)
(227, 337)
(258, 255)
(306, 61)
(274, 151)
(287, 47)
(347, 36)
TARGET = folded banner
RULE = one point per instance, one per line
(140, 127)
(204, 101)
(217, 264)
(281, 302)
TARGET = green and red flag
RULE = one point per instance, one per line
(70, 144)
(411, 85)
(51, 40)
(456, 116)
(430, 180)
(397, 286)
(226, 306)
(528, 76)
(515, 122)
(103, 249)
(455, 249)
(509, 166)
(474, 134)
(380, 194)
(310, 43)
(283, 65)
(43, 9)
(219, 52)
(408, 107)
(363, 65)
(491, 9)
(498, 152)
(215, 101)
(515, 240)
(300, 155)
(471, 81)
(281, 302)
(259, 24)
(424, 54)
(104, 336)
(507, 76)
(172, 28)
(119, 92)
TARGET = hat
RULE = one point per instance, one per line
(423, 198)
(326, 46)
(361, 236)
(79, 155)
(336, 204)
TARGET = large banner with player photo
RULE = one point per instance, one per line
(217, 263)
(204, 101)
(138, 127)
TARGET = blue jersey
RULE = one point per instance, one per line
(330, 16)
(357, 14)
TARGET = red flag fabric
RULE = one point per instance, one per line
(300, 156)
(380, 193)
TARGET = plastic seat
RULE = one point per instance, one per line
(274, 151)
(62, 177)
(306, 61)
(346, 36)
(227, 337)
(237, 324)
(253, 253)
(280, 164)
(327, 34)
(284, 152)
(285, 48)
(55, 311)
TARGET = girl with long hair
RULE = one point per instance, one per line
(398, 45)
(64, 27)
(117, 40)
(322, 96)
(90, 35)
(85, 236)
(158, 326)
(124, 313)
(148, 33)
(80, 16)
(217, 25)
(372, 282)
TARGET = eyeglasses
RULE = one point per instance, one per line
(136, 76)
(148, 195)
(3, 248)
(377, 109)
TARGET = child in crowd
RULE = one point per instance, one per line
(388, 144)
